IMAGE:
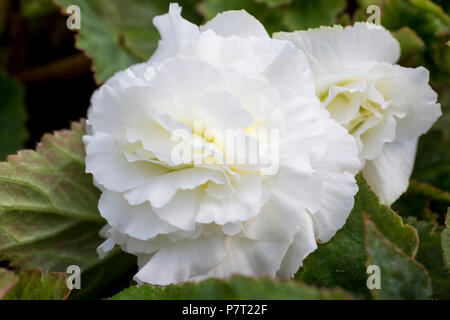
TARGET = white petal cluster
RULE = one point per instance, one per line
(196, 219)
(386, 107)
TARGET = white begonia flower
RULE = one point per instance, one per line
(194, 220)
(386, 107)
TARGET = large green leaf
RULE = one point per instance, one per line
(238, 287)
(48, 212)
(34, 285)
(12, 116)
(431, 256)
(117, 33)
(401, 276)
(341, 261)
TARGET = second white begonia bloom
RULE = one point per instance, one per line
(386, 107)
(187, 219)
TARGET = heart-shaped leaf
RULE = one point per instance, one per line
(48, 212)
(401, 277)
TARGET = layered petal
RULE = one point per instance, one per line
(329, 49)
(110, 167)
(178, 261)
(175, 32)
(302, 245)
(248, 257)
(236, 23)
(139, 222)
(388, 175)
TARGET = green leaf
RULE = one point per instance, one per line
(50, 180)
(401, 276)
(7, 281)
(345, 19)
(432, 8)
(37, 8)
(33, 285)
(48, 211)
(304, 14)
(341, 261)
(422, 201)
(418, 15)
(421, 205)
(443, 123)
(433, 160)
(442, 53)
(236, 288)
(414, 204)
(412, 46)
(446, 241)
(12, 116)
(272, 19)
(117, 33)
(431, 256)
(275, 3)
(428, 190)
(299, 14)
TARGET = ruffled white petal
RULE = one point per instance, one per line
(111, 168)
(414, 97)
(329, 49)
(250, 195)
(277, 221)
(139, 222)
(162, 189)
(175, 31)
(236, 23)
(388, 175)
(249, 257)
(186, 78)
(182, 210)
(181, 260)
(338, 169)
(303, 244)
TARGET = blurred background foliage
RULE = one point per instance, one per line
(48, 73)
